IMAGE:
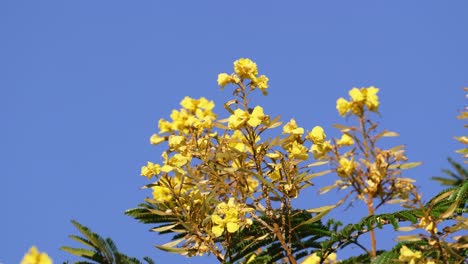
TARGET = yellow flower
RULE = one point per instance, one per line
(428, 225)
(356, 95)
(189, 103)
(342, 106)
(276, 173)
(236, 141)
(150, 170)
(346, 167)
(224, 79)
(372, 100)
(164, 126)
(320, 150)
(205, 104)
(35, 257)
(298, 151)
(345, 140)
(409, 256)
(312, 259)
(179, 160)
(262, 83)
(239, 118)
(161, 194)
(317, 135)
(256, 117)
(175, 141)
(246, 69)
(156, 139)
(226, 216)
(291, 128)
(252, 184)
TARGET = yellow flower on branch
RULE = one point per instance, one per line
(320, 150)
(224, 79)
(356, 95)
(372, 100)
(150, 170)
(245, 69)
(428, 224)
(262, 83)
(408, 256)
(275, 175)
(342, 106)
(292, 128)
(239, 118)
(317, 135)
(257, 116)
(175, 141)
(164, 126)
(345, 140)
(252, 184)
(156, 139)
(161, 194)
(346, 167)
(298, 151)
(226, 216)
(35, 257)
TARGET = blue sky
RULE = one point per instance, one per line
(83, 84)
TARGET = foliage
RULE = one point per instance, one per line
(226, 186)
(99, 250)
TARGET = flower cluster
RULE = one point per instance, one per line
(413, 257)
(196, 114)
(35, 257)
(359, 98)
(244, 69)
(240, 117)
(229, 216)
(320, 147)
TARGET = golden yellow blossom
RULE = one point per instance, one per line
(226, 216)
(356, 95)
(205, 104)
(262, 83)
(224, 79)
(342, 106)
(239, 118)
(346, 167)
(189, 103)
(252, 184)
(292, 128)
(150, 170)
(175, 141)
(372, 100)
(275, 175)
(345, 140)
(428, 225)
(257, 116)
(245, 68)
(161, 194)
(298, 151)
(35, 257)
(320, 150)
(317, 135)
(156, 139)
(409, 256)
(164, 126)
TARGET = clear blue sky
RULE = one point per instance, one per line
(83, 84)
